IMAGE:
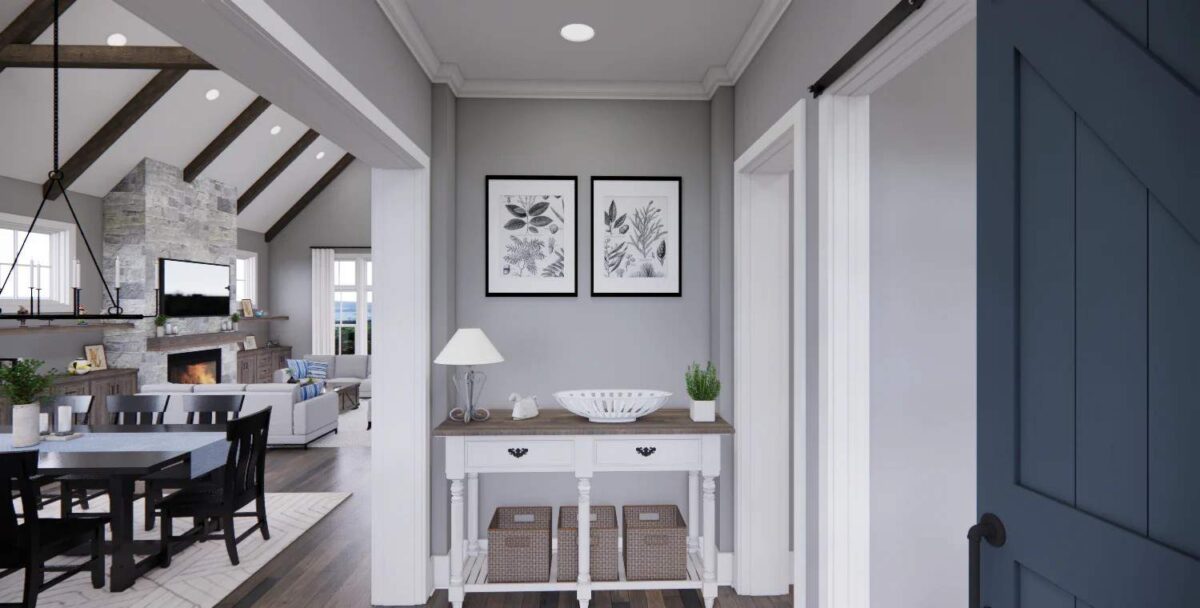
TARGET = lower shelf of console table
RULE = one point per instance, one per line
(560, 442)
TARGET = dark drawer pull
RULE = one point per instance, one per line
(518, 452)
(646, 451)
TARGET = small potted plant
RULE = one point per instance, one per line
(703, 386)
(23, 385)
(233, 319)
(160, 324)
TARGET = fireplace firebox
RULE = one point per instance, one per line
(196, 367)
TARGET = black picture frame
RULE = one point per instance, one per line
(487, 245)
(678, 293)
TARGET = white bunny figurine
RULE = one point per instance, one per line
(523, 407)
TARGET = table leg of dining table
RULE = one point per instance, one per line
(124, 570)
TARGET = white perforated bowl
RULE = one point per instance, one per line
(612, 405)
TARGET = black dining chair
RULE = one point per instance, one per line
(201, 409)
(123, 410)
(242, 483)
(81, 409)
(29, 543)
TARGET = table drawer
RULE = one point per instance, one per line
(660, 454)
(519, 454)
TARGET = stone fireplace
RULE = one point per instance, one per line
(153, 213)
(194, 367)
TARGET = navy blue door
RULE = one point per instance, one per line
(1089, 301)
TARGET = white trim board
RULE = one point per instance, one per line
(768, 178)
(440, 566)
(756, 33)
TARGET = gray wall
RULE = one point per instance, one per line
(248, 240)
(339, 217)
(357, 37)
(552, 344)
(57, 350)
(923, 328)
(720, 255)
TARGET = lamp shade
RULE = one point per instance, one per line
(468, 346)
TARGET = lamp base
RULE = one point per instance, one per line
(458, 414)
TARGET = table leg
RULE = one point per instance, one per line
(584, 526)
(456, 543)
(693, 542)
(710, 540)
(472, 513)
(120, 495)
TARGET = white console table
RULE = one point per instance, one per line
(558, 441)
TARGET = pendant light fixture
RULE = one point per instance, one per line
(115, 311)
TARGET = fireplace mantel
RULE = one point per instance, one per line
(168, 343)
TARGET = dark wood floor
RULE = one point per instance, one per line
(330, 564)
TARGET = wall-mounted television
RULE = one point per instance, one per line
(192, 289)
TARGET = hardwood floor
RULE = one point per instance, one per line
(330, 564)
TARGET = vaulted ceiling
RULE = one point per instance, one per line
(174, 130)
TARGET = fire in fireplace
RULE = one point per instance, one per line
(196, 367)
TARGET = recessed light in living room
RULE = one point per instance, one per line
(212, 94)
(276, 129)
(320, 155)
(577, 32)
(116, 39)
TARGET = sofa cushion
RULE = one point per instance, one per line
(352, 366)
(167, 387)
(220, 389)
(272, 388)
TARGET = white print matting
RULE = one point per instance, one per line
(531, 235)
(636, 236)
(201, 575)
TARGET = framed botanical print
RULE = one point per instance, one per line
(531, 234)
(95, 355)
(637, 236)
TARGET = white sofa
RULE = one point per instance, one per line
(342, 368)
(294, 422)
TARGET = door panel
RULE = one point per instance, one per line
(1089, 302)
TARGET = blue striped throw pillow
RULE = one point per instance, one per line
(297, 368)
(308, 391)
(317, 369)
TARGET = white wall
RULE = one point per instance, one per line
(923, 328)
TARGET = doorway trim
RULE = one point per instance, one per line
(767, 295)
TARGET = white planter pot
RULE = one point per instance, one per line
(704, 411)
(25, 425)
(158, 330)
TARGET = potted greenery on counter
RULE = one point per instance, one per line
(23, 386)
(703, 386)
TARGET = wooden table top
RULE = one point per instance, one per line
(673, 421)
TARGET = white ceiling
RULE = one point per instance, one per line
(656, 49)
(174, 130)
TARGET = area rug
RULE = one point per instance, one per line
(352, 431)
(200, 575)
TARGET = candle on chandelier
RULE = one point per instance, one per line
(75, 276)
(117, 265)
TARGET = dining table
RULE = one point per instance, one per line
(121, 455)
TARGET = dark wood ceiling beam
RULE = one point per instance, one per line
(116, 126)
(308, 197)
(273, 172)
(226, 137)
(30, 24)
(102, 57)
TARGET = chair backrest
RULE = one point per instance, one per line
(246, 463)
(212, 409)
(81, 406)
(137, 409)
(16, 474)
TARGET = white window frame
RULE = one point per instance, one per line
(249, 260)
(56, 295)
(361, 289)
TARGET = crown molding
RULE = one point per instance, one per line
(756, 33)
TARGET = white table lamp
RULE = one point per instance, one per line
(469, 347)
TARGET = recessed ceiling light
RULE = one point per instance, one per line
(212, 94)
(276, 129)
(577, 32)
(320, 155)
(116, 39)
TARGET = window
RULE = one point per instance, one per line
(245, 282)
(352, 275)
(50, 249)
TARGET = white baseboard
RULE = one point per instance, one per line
(441, 568)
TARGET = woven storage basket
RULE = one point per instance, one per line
(519, 545)
(604, 543)
(655, 543)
